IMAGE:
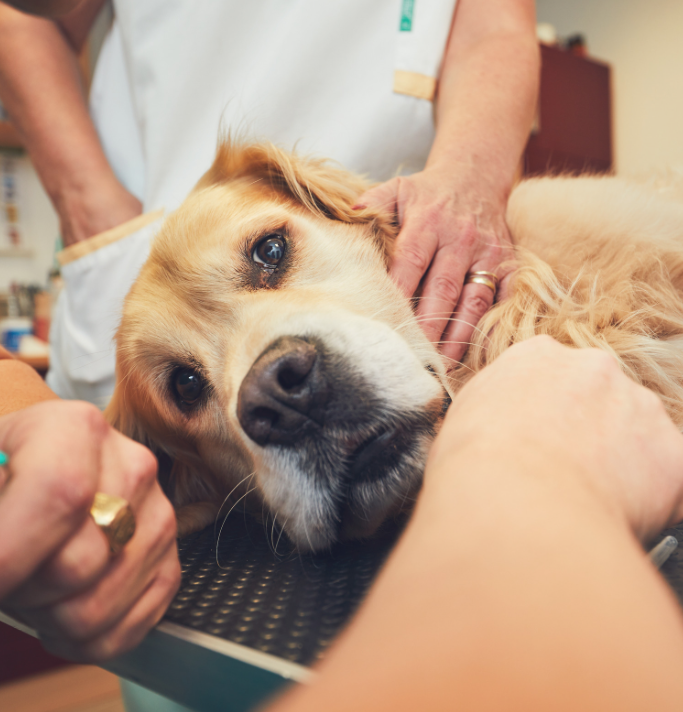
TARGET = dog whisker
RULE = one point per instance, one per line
(446, 342)
(217, 538)
(282, 529)
(452, 319)
(218, 513)
(226, 519)
(308, 537)
(272, 534)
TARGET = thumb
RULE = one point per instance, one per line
(380, 197)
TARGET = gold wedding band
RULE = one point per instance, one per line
(488, 279)
(115, 518)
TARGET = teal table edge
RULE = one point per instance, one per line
(201, 671)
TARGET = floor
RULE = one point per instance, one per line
(77, 688)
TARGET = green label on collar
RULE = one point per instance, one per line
(407, 15)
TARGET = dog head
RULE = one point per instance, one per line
(264, 349)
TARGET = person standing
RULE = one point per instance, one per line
(442, 92)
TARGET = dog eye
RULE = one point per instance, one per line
(269, 250)
(188, 385)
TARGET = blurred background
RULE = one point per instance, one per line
(641, 41)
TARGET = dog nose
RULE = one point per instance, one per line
(284, 391)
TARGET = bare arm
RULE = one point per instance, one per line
(41, 89)
(520, 583)
(452, 214)
(487, 93)
(21, 385)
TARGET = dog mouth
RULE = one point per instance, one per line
(367, 455)
(364, 460)
(381, 477)
(341, 456)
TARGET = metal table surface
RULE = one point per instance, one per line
(251, 615)
(251, 595)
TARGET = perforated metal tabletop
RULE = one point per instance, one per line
(255, 590)
(253, 614)
(286, 604)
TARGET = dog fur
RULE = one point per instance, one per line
(600, 263)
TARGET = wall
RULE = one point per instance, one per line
(641, 39)
(39, 226)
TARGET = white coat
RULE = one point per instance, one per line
(350, 80)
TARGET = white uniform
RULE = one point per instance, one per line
(323, 76)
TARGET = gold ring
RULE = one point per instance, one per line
(488, 279)
(115, 518)
(112, 514)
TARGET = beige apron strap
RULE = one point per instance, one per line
(85, 247)
(423, 33)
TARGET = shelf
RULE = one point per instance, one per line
(9, 136)
(24, 252)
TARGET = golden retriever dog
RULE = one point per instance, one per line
(265, 353)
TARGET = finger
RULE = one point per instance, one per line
(98, 608)
(504, 286)
(129, 469)
(475, 301)
(74, 567)
(442, 288)
(128, 632)
(381, 197)
(413, 252)
(54, 463)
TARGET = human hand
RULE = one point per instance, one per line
(56, 571)
(448, 228)
(543, 402)
(89, 210)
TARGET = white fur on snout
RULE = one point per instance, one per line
(374, 350)
(383, 358)
(301, 507)
(304, 507)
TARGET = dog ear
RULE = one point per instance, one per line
(121, 417)
(118, 416)
(182, 482)
(315, 184)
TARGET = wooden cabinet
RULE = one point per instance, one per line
(574, 124)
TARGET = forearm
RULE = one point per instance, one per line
(511, 589)
(487, 93)
(40, 86)
(21, 385)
